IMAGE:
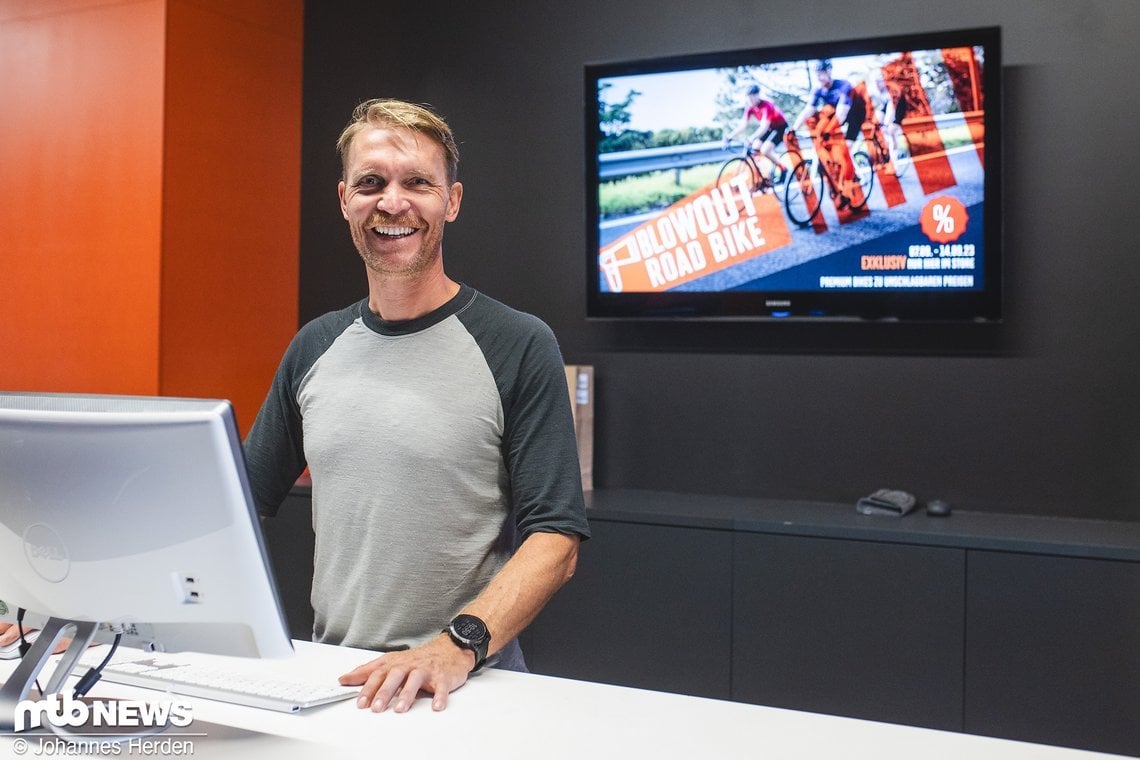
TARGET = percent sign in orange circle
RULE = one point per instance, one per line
(944, 219)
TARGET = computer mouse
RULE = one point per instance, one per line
(938, 508)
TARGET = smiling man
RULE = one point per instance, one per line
(399, 189)
(436, 426)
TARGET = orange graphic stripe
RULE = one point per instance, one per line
(966, 78)
(926, 148)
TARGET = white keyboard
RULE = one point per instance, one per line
(212, 682)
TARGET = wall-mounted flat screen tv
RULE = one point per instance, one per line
(856, 179)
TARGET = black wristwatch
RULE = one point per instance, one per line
(469, 632)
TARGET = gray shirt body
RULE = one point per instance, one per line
(434, 446)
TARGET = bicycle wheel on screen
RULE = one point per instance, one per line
(865, 173)
(739, 167)
(802, 207)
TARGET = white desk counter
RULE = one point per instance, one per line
(499, 714)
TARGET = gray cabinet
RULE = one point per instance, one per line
(859, 628)
(1053, 650)
(1019, 627)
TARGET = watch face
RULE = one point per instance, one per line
(468, 628)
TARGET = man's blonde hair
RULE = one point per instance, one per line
(388, 113)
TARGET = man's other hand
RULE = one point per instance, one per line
(395, 679)
(10, 633)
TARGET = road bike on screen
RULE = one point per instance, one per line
(809, 177)
(746, 165)
(878, 147)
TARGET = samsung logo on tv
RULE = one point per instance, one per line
(773, 304)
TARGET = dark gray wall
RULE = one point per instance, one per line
(1038, 415)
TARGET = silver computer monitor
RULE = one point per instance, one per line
(134, 512)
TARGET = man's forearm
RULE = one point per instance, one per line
(515, 596)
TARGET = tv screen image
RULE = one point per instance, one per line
(852, 179)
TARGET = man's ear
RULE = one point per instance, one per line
(454, 197)
(340, 195)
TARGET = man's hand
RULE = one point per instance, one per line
(438, 667)
(10, 632)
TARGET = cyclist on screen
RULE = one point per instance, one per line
(768, 134)
(837, 93)
(891, 110)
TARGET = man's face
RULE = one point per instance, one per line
(824, 77)
(396, 199)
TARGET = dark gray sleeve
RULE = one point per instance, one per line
(275, 446)
(539, 447)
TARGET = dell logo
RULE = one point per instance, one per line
(46, 553)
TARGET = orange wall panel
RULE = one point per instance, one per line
(231, 197)
(149, 224)
(81, 167)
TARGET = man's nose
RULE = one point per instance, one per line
(392, 199)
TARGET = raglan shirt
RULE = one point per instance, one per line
(434, 446)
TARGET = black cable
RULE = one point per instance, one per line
(25, 645)
(92, 676)
(89, 679)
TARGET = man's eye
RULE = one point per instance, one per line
(369, 182)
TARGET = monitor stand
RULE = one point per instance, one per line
(19, 686)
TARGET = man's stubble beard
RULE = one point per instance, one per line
(422, 261)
